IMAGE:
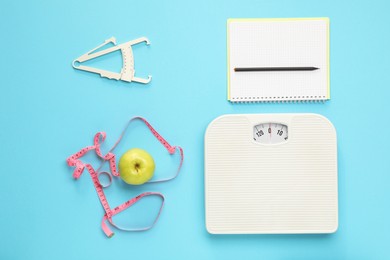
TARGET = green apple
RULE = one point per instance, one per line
(136, 166)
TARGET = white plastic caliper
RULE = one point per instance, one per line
(127, 73)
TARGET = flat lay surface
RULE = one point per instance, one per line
(50, 111)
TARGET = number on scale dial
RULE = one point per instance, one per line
(270, 133)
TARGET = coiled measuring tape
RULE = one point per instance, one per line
(74, 160)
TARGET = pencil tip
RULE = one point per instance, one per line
(314, 68)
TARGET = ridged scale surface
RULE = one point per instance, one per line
(283, 188)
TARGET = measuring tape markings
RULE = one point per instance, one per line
(171, 149)
(126, 205)
(110, 157)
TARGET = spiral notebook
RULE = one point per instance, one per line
(278, 44)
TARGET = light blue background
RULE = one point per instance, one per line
(49, 111)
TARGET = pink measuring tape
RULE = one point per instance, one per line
(110, 157)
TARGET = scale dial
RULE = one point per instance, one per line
(270, 133)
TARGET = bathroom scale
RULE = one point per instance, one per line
(271, 174)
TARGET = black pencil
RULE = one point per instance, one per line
(275, 69)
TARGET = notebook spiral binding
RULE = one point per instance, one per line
(278, 101)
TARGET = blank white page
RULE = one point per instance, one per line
(300, 42)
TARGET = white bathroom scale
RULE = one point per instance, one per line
(271, 174)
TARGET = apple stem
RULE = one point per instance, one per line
(137, 167)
